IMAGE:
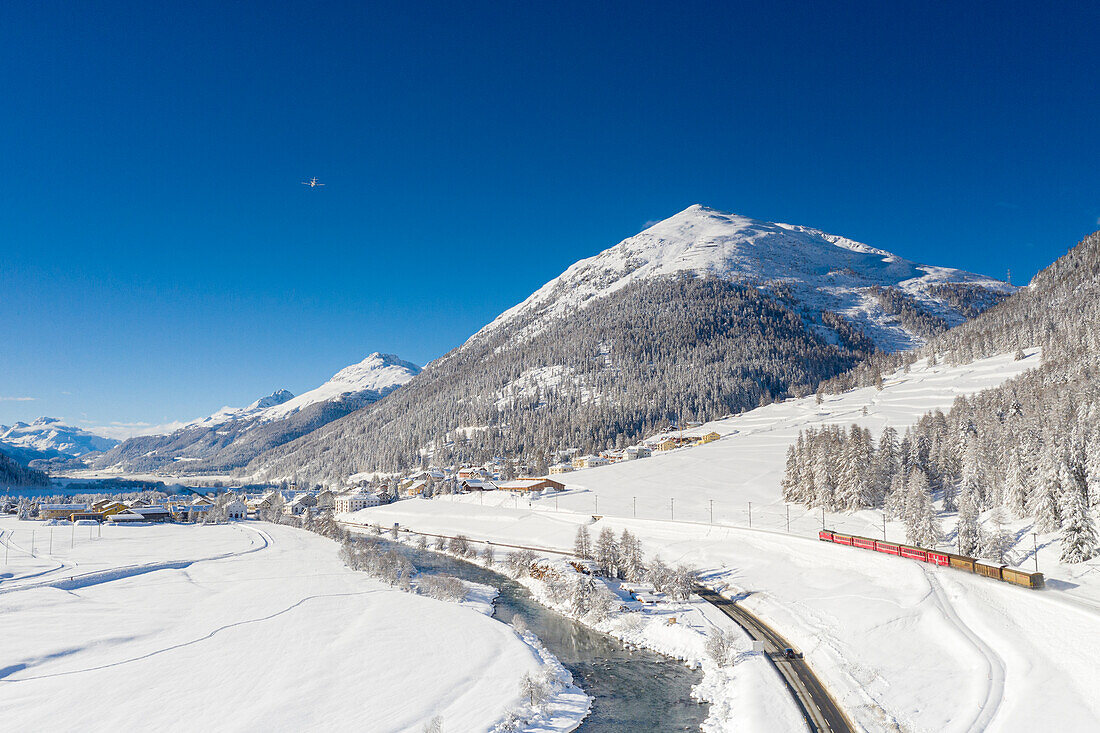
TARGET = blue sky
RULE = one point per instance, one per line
(159, 259)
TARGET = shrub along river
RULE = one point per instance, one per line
(632, 690)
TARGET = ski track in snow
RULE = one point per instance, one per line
(173, 647)
(995, 665)
(85, 580)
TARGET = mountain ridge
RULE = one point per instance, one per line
(231, 436)
(701, 315)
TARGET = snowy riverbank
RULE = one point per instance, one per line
(744, 693)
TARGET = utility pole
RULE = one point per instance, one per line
(884, 527)
(672, 509)
(712, 511)
(788, 519)
(750, 515)
(635, 507)
(1035, 554)
(823, 517)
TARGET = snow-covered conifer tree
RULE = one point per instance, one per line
(968, 528)
(631, 564)
(607, 554)
(582, 544)
(921, 526)
(1078, 530)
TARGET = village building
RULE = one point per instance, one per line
(156, 514)
(476, 485)
(531, 485)
(125, 517)
(236, 509)
(297, 506)
(107, 507)
(709, 437)
(416, 488)
(635, 452)
(589, 462)
(87, 516)
(59, 511)
(355, 502)
(559, 468)
(472, 473)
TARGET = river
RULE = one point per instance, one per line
(632, 690)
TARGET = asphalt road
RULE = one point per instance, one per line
(818, 707)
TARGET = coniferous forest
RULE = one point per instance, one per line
(1029, 448)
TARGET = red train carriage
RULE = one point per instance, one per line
(939, 558)
(914, 553)
(935, 557)
(890, 548)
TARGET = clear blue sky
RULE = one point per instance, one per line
(160, 259)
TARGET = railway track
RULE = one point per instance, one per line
(817, 706)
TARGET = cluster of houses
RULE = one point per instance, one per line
(363, 493)
(568, 460)
(115, 511)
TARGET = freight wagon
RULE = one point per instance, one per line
(936, 557)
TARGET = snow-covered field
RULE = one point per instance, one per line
(747, 463)
(903, 646)
(243, 626)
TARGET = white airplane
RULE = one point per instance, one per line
(312, 183)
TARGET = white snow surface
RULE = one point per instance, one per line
(243, 626)
(824, 271)
(50, 434)
(901, 645)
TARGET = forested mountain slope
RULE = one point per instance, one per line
(699, 316)
(13, 474)
(231, 437)
(1029, 448)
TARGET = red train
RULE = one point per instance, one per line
(937, 557)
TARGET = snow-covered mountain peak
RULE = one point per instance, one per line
(377, 371)
(373, 378)
(822, 271)
(277, 397)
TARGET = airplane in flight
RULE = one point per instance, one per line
(312, 183)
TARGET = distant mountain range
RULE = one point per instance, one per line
(701, 315)
(234, 435)
(49, 438)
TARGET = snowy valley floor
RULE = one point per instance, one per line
(245, 626)
(902, 645)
